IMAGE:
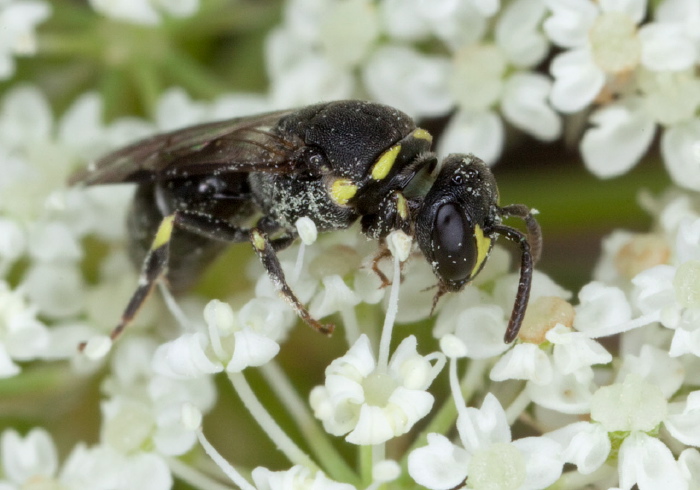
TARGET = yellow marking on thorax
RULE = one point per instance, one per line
(422, 134)
(385, 162)
(483, 246)
(165, 231)
(342, 190)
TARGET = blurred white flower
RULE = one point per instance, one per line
(372, 405)
(22, 336)
(147, 12)
(143, 408)
(295, 478)
(604, 43)
(18, 19)
(478, 78)
(32, 462)
(328, 39)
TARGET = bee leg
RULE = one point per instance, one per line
(266, 251)
(534, 232)
(525, 283)
(154, 268)
(155, 265)
(383, 253)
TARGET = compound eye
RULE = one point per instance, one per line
(454, 249)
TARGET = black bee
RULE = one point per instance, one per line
(202, 187)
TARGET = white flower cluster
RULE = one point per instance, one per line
(595, 412)
(651, 299)
(636, 68)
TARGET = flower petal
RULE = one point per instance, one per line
(480, 133)
(577, 80)
(25, 458)
(440, 465)
(185, 357)
(410, 81)
(525, 105)
(374, 426)
(620, 136)
(680, 148)
(543, 461)
(518, 32)
(251, 349)
(635, 9)
(665, 47)
(570, 21)
(524, 361)
(649, 463)
(585, 444)
(685, 426)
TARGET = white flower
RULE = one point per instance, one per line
(146, 12)
(403, 78)
(27, 458)
(369, 404)
(12, 243)
(18, 19)
(638, 407)
(32, 462)
(668, 293)
(623, 131)
(648, 463)
(487, 457)
(295, 478)
(232, 342)
(478, 77)
(22, 335)
(143, 409)
(328, 39)
(603, 42)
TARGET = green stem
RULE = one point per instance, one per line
(69, 45)
(194, 477)
(112, 85)
(366, 463)
(268, 424)
(333, 463)
(191, 75)
(517, 406)
(145, 77)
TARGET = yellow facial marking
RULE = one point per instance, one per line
(342, 190)
(165, 231)
(402, 205)
(422, 134)
(483, 246)
(258, 240)
(385, 162)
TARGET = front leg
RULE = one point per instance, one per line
(392, 214)
(266, 252)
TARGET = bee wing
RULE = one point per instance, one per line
(244, 144)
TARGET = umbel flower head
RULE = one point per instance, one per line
(371, 403)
